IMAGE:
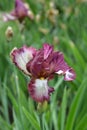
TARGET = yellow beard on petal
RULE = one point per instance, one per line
(42, 78)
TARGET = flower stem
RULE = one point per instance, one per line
(41, 107)
(41, 122)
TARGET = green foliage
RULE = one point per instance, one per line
(67, 109)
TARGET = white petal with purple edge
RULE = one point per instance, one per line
(69, 75)
(21, 57)
(41, 88)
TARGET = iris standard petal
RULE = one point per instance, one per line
(48, 49)
(20, 9)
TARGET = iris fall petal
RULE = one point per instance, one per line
(22, 56)
(39, 90)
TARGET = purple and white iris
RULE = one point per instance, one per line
(20, 12)
(41, 65)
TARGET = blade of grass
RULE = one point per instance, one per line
(13, 100)
(82, 125)
(63, 110)
(4, 124)
(17, 122)
(75, 51)
(33, 122)
(5, 103)
(75, 106)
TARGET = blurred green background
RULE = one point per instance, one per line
(63, 24)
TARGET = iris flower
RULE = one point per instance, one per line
(20, 12)
(41, 65)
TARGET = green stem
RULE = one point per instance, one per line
(41, 122)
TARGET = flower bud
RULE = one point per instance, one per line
(37, 18)
(26, 5)
(51, 4)
(51, 14)
(30, 14)
(44, 30)
(55, 40)
(42, 106)
(9, 33)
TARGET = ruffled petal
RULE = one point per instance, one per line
(48, 49)
(69, 75)
(22, 56)
(40, 65)
(39, 90)
(62, 68)
(60, 65)
(7, 17)
(35, 66)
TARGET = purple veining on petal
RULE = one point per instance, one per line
(38, 66)
(53, 63)
(47, 50)
(63, 69)
(60, 64)
(42, 65)
(35, 66)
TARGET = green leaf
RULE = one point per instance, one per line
(77, 54)
(82, 125)
(4, 103)
(75, 106)
(63, 110)
(13, 100)
(56, 87)
(4, 125)
(31, 119)
(17, 122)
